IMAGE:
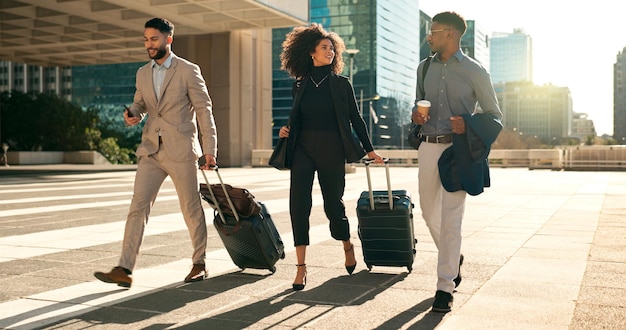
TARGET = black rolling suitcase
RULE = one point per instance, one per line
(386, 225)
(251, 242)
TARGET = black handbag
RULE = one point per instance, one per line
(279, 159)
(414, 138)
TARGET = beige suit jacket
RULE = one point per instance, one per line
(183, 107)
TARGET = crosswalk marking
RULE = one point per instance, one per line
(68, 197)
(39, 188)
(71, 207)
(36, 244)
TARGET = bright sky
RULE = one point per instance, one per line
(575, 43)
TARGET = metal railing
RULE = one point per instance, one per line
(598, 158)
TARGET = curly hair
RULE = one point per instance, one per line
(301, 42)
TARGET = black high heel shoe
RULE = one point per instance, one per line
(299, 287)
(351, 268)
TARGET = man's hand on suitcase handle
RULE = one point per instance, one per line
(210, 159)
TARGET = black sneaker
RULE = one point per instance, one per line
(458, 278)
(443, 302)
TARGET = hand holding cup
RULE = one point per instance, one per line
(420, 116)
(423, 107)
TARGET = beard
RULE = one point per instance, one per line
(159, 54)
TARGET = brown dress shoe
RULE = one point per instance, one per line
(197, 273)
(116, 275)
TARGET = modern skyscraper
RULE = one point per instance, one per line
(106, 87)
(387, 35)
(511, 57)
(619, 98)
(544, 112)
(475, 43)
(36, 79)
(582, 127)
(424, 28)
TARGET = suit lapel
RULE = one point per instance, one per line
(337, 94)
(301, 86)
(168, 76)
(297, 99)
(147, 76)
(333, 90)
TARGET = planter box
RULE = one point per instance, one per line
(84, 157)
(34, 157)
(55, 157)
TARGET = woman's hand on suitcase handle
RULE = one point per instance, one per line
(372, 155)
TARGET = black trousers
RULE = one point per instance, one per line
(321, 152)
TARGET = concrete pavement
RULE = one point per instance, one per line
(543, 250)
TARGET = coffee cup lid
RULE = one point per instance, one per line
(423, 103)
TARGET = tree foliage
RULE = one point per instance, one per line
(46, 122)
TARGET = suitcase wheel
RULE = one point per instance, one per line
(273, 269)
(282, 256)
(369, 267)
(409, 268)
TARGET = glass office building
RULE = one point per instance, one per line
(106, 87)
(619, 97)
(511, 57)
(34, 79)
(475, 43)
(386, 34)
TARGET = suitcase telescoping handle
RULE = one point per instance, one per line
(217, 205)
(367, 162)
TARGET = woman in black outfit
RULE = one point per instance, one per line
(323, 114)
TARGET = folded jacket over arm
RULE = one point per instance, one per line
(464, 165)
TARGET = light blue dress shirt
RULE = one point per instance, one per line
(158, 74)
(454, 88)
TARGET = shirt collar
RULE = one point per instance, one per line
(458, 54)
(166, 64)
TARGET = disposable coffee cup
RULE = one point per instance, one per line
(423, 107)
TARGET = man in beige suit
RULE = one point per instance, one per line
(172, 94)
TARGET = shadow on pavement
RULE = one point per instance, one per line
(430, 320)
(55, 307)
(290, 309)
(159, 302)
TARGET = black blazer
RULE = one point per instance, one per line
(346, 110)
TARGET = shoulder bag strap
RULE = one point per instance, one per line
(424, 70)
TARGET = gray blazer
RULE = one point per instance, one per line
(184, 106)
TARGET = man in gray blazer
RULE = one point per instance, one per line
(172, 94)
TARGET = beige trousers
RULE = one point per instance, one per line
(151, 172)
